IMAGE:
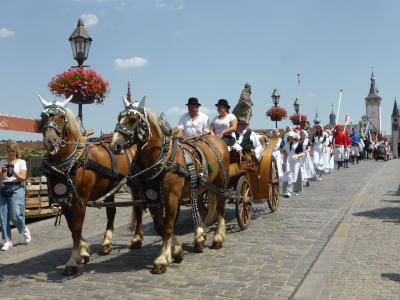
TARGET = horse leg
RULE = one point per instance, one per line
(106, 246)
(75, 216)
(84, 250)
(164, 227)
(219, 237)
(137, 217)
(199, 232)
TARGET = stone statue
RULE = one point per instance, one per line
(306, 126)
(243, 110)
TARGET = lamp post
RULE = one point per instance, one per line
(275, 99)
(296, 106)
(80, 43)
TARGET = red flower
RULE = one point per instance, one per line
(79, 81)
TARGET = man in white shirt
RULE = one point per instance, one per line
(193, 122)
(247, 138)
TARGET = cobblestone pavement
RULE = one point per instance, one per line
(369, 265)
(269, 260)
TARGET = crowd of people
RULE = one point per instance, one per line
(302, 159)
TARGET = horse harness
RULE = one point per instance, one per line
(62, 187)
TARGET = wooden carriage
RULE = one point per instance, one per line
(252, 182)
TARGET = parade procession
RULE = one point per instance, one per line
(165, 171)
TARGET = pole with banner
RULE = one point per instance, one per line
(346, 120)
(298, 77)
(340, 99)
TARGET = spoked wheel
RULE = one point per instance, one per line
(273, 188)
(244, 202)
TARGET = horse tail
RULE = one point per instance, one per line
(133, 221)
(212, 208)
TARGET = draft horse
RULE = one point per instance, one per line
(77, 173)
(158, 155)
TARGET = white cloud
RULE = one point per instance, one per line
(161, 4)
(208, 111)
(176, 111)
(130, 62)
(89, 19)
(4, 32)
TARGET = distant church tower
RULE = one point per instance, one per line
(128, 95)
(332, 118)
(395, 128)
(373, 105)
(317, 120)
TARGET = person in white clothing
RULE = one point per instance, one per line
(307, 167)
(318, 151)
(225, 124)
(12, 196)
(194, 122)
(277, 151)
(292, 180)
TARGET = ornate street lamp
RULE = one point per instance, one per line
(275, 99)
(80, 43)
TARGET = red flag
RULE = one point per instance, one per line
(298, 76)
(347, 119)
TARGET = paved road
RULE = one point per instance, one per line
(277, 257)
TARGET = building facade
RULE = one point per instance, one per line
(373, 107)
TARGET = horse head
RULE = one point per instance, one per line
(55, 124)
(131, 127)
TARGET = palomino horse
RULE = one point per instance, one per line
(157, 155)
(70, 158)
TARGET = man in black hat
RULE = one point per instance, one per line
(194, 122)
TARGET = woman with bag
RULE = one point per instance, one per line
(12, 195)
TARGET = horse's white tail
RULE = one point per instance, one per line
(212, 208)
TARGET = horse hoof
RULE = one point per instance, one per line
(136, 245)
(85, 259)
(106, 249)
(178, 259)
(216, 245)
(198, 247)
(159, 269)
(68, 271)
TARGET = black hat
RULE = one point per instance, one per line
(193, 100)
(223, 102)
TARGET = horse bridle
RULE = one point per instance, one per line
(138, 132)
(52, 110)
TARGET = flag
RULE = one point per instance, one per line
(347, 119)
(298, 77)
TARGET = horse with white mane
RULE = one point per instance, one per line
(159, 156)
(75, 178)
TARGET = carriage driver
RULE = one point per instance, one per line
(247, 138)
(193, 122)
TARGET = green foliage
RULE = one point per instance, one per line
(26, 153)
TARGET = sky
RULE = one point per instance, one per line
(176, 49)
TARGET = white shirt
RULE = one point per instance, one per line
(253, 137)
(20, 165)
(192, 127)
(220, 126)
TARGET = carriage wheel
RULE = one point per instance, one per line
(244, 202)
(273, 187)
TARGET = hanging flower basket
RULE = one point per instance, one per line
(276, 113)
(295, 118)
(86, 86)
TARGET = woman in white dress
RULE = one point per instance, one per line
(292, 180)
(307, 167)
(328, 157)
(318, 151)
(277, 151)
(224, 125)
